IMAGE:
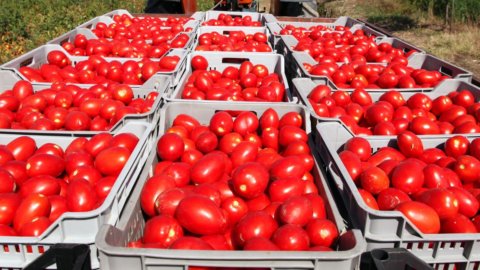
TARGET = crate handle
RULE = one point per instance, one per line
(66, 256)
(231, 60)
(26, 62)
(335, 176)
(446, 71)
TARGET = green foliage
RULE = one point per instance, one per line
(464, 11)
(27, 24)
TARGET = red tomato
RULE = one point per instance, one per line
(390, 198)
(458, 224)
(45, 164)
(254, 224)
(352, 163)
(456, 146)
(81, 196)
(250, 180)
(246, 122)
(221, 123)
(435, 177)
(170, 147)
(22, 148)
(296, 210)
(236, 208)
(190, 242)
(374, 180)
(41, 184)
(368, 199)
(9, 202)
(112, 160)
(467, 203)
(282, 189)
(200, 215)
(210, 168)
(408, 176)
(467, 168)
(442, 201)
(409, 144)
(199, 62)
(289, 134)
(162, 230)
(35, 227)
(421, 215)
(31, 207)
(291, 237)
(269, 119)
(260, 243)
(322, 232)
(166, 202)
(291, 166)
(359, 146)
(153, 187)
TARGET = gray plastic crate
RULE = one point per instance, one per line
(70, 36)
(329, 23)
(386, 229)
(38, 56)
(416, 60)
(220, 60)
(91, 24)
(9, 78)
(111, 240)
(263, 18)
(287, 42)
(301, 87)
(225, 30)
(80, 227)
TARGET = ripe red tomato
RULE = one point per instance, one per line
(374, 180)
(352, 163)
(359, 146)
(210, 168)
(190, 242)
(284, 188)
(456, 146)
(421, 215)
(9, 202)
(296, 210)
(200, 215)
(152, 189)
(162, 230)
(250, 180)
(458, 224)
(45, 164)
(409, 144)
(408, 176)
(170, 147)
(199, 62)
(260, 243)
(442, 201)
(390, 198)
(22, 148)
(112, 160)
(254, 224)
(81, 196)
(322, 232)
(291, 237)
(32, 207)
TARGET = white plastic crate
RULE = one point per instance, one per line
(38, 56)
(301, 87)
(111, 240)
(225, 30)
(416, 60)
(9, 78)
(80, 227)
(219, 61)
(263, 18)
(387, 229)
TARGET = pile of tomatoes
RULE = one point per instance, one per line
(97, 70)
(126, 27)
(392, 114)
(236, 41)
(227, 20)
(435, 188)
(136, 48)
(38, 183)
(69, 107)
(302, 32)
(397, 74)
(238, 183)
(249, 82)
